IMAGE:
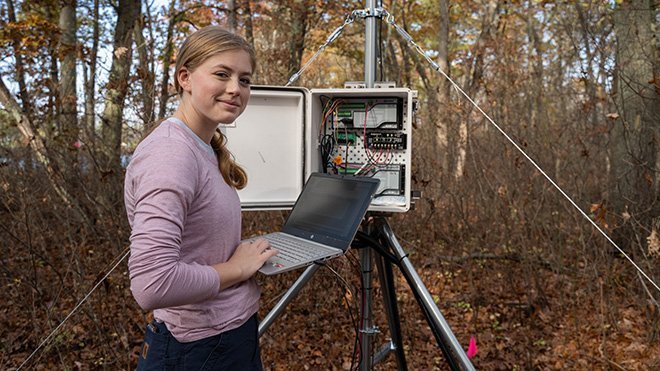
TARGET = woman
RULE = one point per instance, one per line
(187, 263)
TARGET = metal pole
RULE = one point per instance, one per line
(370, 45)
(368, 330)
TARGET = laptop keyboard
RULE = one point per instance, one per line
(293, 250)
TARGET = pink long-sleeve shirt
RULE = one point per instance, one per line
(184, 218)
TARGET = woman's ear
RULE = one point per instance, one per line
(183, 77)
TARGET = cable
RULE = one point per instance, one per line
(379, 49)
(357, 344)
(367, 241)
(126, 252)
(334, 35)
(370, 156)
(326, 145)
(350, 309)
(327, 142)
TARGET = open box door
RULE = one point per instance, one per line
(278, 141)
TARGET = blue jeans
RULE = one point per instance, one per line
(236, 349)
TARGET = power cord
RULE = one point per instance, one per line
(343, 282)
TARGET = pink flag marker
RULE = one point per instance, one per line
(472, 347)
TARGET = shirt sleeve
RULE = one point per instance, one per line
(164, 180)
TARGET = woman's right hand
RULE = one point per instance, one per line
(244, 263)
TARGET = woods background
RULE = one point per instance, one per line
(508, 260)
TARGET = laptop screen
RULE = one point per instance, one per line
(330, 208)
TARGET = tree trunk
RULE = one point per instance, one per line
(590, 77)
(443, 111)
(117, 88)
(26, 101)
(67, 86)
(54, 107)
(443, 51)
(167, 60)
(90, 84)
(634, 137)
(404, 75)
(299, 15)
(534, 70)
(470, 87)
(232, 17)
(67, 89)
(145, 73)
(391, 63)
(249, 32)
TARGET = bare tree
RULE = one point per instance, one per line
(634, 137)
(20, 66)
(471, 84)
(443, 111)
(534, 69)
(145, 72)
(67, 88)
(249, 33)
(128, 12)
(299, 15)
(232, 16)
(167, 59)
(90, 75)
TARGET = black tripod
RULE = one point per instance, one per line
(377, 236)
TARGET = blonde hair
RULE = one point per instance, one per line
(198, 47)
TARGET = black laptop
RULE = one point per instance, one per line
(322, 223)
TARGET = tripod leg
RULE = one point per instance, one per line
(389, 297)
(286, 299)
(441, 330)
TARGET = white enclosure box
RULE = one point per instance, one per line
(287, 133)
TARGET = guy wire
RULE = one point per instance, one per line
(389, 18)
(125, 253)
(436, 67)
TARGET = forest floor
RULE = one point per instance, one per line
(565, 321)
(477, 300)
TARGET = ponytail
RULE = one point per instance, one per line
(232, 173)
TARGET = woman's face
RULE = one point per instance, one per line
(217, 91)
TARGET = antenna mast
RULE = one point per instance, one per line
(370, 43)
